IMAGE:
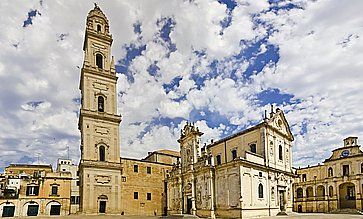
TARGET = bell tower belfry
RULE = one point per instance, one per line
(100, 168)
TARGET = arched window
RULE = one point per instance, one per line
(253, 148)
(299, 193)
(101, 104)
(309, 192)
(331, 190)
(102, 153)
(280, 152)
(99, 28)
(260, 191)
(330, 172)
(99, 61)
(320, 191)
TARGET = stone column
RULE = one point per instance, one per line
(180, 195)
(212, 195)
(194, 209)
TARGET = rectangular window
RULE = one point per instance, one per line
(77, 199)
(304, 177)
(234, 154)
(218, 158)
(78, 173)
(73, 200)
(148, 196)
(148, 170)
(136, 195)
(345, 170)
(77, 182)
(32, 190)
(123, 178)
(54, 190)
(136, 168)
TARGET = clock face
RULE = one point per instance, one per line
(345, 153)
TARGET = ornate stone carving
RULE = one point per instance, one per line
(103, 179)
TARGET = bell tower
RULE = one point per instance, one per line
(100, 168)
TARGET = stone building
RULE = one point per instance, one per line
(39, 191)
(66, 165)
(143, 187)
(335, 184)
(110, 184)
(246, 174)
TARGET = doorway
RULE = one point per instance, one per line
(347, 196)
(189, 205)
(282, 200)
(299, 209)
(8, 211)
(102, 208)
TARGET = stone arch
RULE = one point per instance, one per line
(309, 192)
(99, 60)
(53, 208)
(347, 195)
(320, 191)
(7, 209)
(299, 193)
(102, 204)
(30, 208)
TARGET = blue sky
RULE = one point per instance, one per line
(217, 63)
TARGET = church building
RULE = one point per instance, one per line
(247, 174)
(110, 184)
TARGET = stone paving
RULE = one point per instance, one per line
(292, 216)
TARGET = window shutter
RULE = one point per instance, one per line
(36, 190)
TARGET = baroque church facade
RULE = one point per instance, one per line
(247, 174)
(244, 175)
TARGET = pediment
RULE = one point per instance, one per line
(279, 122)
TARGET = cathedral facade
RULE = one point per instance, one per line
(247, 174)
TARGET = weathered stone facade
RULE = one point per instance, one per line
(100, 167)
(247, 174)
(40, 191)
(335, 184)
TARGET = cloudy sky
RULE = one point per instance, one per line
(217, 63)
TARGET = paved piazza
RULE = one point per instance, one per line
(293, 216)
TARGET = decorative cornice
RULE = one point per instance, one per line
(99, 115)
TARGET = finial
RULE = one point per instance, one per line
(265, 117)
(272, 108)
(96, 6)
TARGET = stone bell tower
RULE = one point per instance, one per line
(100, 168)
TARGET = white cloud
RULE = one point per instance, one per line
(320, 64)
